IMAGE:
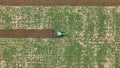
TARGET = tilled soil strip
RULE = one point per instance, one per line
(60, 2)
(26, 33)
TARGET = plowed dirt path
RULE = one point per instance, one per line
(26, 33)
(60, 2)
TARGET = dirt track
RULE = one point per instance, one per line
(26, 33)
(60, 2)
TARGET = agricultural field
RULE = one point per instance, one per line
(92, 41)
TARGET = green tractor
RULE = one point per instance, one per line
(58, 34)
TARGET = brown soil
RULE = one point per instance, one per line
(26, 33)
(60, 2)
